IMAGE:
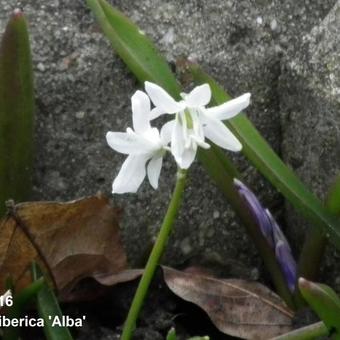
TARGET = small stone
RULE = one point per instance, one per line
(80, 114)
(259, 20)
(41, 67)
(186, 246)
(255, 274)
(216, 214)
(273, 25)
(169, 37)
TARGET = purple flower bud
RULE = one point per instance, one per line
(276, 230)
(256, 209)
(287, 263)
(272, 232)
(283, 253)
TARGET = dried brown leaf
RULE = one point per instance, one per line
(69, 240)
(115, 278)
(239, 308)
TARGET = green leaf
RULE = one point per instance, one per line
(137, 51)
(48, 306)
(324, 301)
(16, 112)
(257, 150)
(333, 198)
(171, 334)
(20, 302)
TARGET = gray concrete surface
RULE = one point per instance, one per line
(83, 90)
(310, 117)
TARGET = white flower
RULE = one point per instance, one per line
(143, 144)
(194, 122)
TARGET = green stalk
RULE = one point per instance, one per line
(155, 256)
(310, 258)
(312, 331)
(316, 240)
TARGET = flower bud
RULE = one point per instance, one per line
(272, 232)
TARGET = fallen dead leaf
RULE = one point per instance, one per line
(239, 308)
(115, 278)
(69, 240)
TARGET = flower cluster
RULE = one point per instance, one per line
(272, 233)
(192, 124)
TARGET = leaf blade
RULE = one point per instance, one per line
(47, 304)
(16, 112)
(324, 302)
(332, 200)
(257, 150)
(232, 305)
(137, 51)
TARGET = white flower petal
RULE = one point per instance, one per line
(166, 132)
(188, 156)
(200, 142)
(162, 99)
(199, 96)
(229, 109)
(141, 107)
(154, 170)
(178, 141)
(129, 143)
(197, 126)
(218, 133)
(131, 175)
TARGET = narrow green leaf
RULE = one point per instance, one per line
(48, 306)
(20, 302)
(257, 150)
(324, 302)
(333, 198)
(137, 51)
(16, 112)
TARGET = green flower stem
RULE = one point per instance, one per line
(315, 243)
(312, 331)
(154, 258)
(310, 258)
